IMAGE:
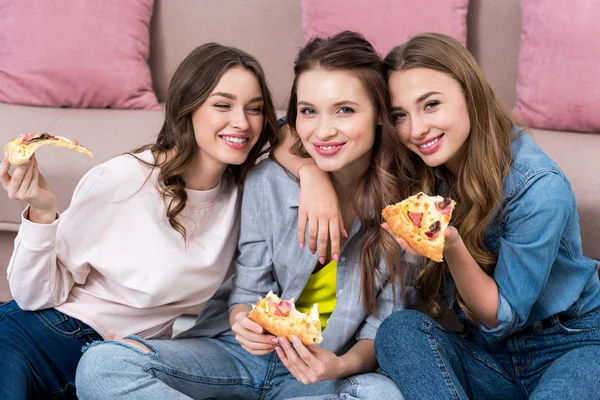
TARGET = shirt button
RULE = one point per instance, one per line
(343, 258)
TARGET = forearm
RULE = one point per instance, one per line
(359, 359)
(282, 153)
(478, 289)
(240, 308)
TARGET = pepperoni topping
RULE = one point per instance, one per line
(415, 218)
(283, 308)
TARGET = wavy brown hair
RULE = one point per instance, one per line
(192, 83)
(348, 51)
(477, 188)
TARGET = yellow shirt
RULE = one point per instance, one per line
(320, 288)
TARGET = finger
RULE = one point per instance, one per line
(35, 181)
(256, 352)
(341, 224)
(292, 356)
(322, 239)
(26, 182)
(386, 227)
(301, 227)
(17, 178)
(255, 346)
(289, 365)
(312, 235)
(4, 176)
(252, 326)
(406, 247)
(334, 236)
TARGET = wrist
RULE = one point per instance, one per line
(302, 172)
(41, 216)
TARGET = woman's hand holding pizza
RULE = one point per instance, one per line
(28, 184)
(309, 363)
(252, 336)
(452, 237)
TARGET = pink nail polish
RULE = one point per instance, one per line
(336, 257)
(322, 260)
(301, 245)
(345, 233)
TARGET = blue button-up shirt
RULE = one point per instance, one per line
(541, 269)
(270, 259)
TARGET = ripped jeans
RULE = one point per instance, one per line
(39, 352)
(207, 368)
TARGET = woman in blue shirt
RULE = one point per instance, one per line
(514, 270)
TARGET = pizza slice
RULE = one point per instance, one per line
(281, 318)
(422, 221)
(21, 149)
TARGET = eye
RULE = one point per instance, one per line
(345, 110)
(222, 106)
(431, 105)
(255, 110)
(399, 116)
(307, 111)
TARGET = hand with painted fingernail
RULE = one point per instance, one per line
(309, 363)
(252, 336)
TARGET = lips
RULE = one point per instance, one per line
(238, 142)
(328, 149)
(431, 145)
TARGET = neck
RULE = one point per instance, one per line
(346, 180)
(204, 173)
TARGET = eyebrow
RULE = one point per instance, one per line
(419, 99)
(339, 103)
(232, 97)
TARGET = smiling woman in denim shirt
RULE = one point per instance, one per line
(338, 113)
(514, 269)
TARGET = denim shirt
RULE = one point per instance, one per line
(270, 259)
(541, 270)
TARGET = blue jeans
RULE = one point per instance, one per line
(559, 362)
(39, 352)
(207, 368)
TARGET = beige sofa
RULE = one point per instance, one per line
(272, 31)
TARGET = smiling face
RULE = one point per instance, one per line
(229, 122)
(431, 116)
(336, 119)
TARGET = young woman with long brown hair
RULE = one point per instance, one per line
(148, 235)
(338, 114)
(513, 267)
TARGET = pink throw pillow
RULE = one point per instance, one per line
(385, 23)
(559, 78)
(66, 53)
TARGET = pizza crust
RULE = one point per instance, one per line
(306, 326)
(401, 224)
(19, 152)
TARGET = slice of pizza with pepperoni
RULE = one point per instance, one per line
(21, 149)
(281, 318)
(422, 221)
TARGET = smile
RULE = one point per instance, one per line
(328, 149)
(232, 139)
(429, 144)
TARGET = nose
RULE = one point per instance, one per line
(418, 127)
(325, 129)
(239, 120)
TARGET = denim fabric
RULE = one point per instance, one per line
(270, 259)
(559, 362)
(39, 351)
(207, 368)
(541, 270)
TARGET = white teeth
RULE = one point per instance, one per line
(237, 140)
(429, 144)
(326, 148)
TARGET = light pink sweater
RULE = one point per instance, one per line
(113, 261)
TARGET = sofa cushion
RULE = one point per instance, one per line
(385, 23)
(577, 155)
(106, 132)
(558, 82)
(65, 53)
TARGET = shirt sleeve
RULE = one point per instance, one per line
(535, 220)
(254, 264)
(389, 301)
(37, 277)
